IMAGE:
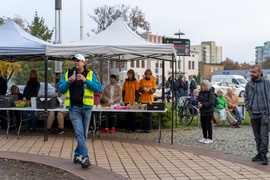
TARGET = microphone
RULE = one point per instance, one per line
(74, 69)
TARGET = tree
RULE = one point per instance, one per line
(105, 16)
(7, 68)
(40, 30)
(229, 64)
(266, 64)
(245, 65)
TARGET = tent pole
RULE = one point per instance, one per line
(163, 79)
(46, 91)
(173, 93)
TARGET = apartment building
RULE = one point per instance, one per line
(262, 52)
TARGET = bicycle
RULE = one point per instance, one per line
(185, 111)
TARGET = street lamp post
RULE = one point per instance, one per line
(179, 33)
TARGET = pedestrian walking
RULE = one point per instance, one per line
(257, 102)
(80, 84)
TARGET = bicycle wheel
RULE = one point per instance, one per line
(186, 114)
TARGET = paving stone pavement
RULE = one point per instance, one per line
(138, 156)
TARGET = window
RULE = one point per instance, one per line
(215, 68)
(132, 64)
(160, 64)
(193, 65)
(212, 69)
(112, 63)
(235, 81)
(122, 64)
(157, 64)
(171, 65)
(189, 64)
(138, 63)
(117, 64)
(142, 63)
(193, 56)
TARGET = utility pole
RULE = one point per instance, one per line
(58, 37)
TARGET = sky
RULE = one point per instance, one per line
(236, 25)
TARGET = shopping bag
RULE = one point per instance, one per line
(222, 115)
(239, 109)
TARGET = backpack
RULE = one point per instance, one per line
(216, 103)
(179, 83)
(195, 85)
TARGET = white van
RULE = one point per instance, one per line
(237, 79)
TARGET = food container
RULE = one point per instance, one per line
(120, 107)
(136, 106)
(19, 103)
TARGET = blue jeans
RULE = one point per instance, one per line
(33, 119)
(80, 119)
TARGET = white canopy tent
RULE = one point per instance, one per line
(18, 45)
(117, 40)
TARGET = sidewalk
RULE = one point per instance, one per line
(115, 158)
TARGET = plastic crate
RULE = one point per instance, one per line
(7, 101)
(52, 102)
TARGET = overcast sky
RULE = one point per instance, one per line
(236, 25)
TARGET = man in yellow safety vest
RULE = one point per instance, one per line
(79, 85)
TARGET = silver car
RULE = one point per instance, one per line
(237, 89)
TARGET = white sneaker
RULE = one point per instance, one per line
(208, 141)
(202, 140)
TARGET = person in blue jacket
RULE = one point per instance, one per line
(79, 86)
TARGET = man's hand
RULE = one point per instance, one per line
(226, 109)
(200, 104)
(81, 77)
(71, 79)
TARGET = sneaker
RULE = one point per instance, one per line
(202, 140)
(237, 124)
(48, 131)
(77, 160)
(264, 159)
(104, 130)
(216, 124)
(258, 157)
(85, 163)
(208, 141)
(113, 130)
(60, 131)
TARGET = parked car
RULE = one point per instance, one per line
(21, 88)
(50, 90)
(237, 89)
(237, 79)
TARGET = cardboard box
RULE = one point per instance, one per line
(136, 106)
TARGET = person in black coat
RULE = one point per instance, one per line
(206, 102)
(31, 90)
(3, 85)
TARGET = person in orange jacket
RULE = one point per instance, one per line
(130, 93)
(147, 88)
